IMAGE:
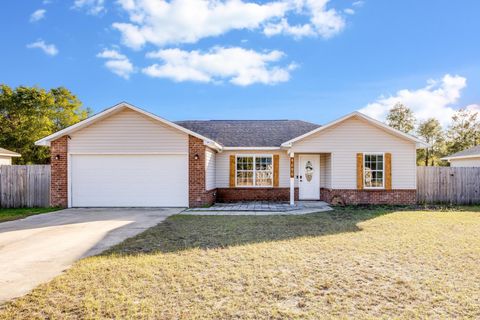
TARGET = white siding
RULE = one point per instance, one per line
(328, 170)
(223, 167)
(5, 160)
(352, 136)
(210, 158)
(323, 172)
(468, 162)
(128, 132)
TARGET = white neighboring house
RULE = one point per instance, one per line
(6, 156)
(466, 158)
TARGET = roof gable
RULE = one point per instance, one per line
(113, 110)
(376, 123)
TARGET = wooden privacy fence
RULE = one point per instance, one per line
(453, 185)
(24, 186)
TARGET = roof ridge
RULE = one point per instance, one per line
(244, 120)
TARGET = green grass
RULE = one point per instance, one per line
(20, 213)
(349, 263)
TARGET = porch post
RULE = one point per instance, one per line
(292, 179)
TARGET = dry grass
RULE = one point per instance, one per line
(372, 263)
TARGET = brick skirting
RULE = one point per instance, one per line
(392, 197)
(210, 197)
(254, 194)
(59, 172)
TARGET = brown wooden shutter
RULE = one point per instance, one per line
(232, 171)
(388, 171)
(359, 171)
(276, 161)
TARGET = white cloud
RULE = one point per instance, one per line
(358, 3)
(111, 54)
(349, 11)
(283, 27)
(433, 100)
(322, 21)
(473, 107)
(38, 15)
(237, 65)
(49, 49)
(162, 22)
(93, 7)
(117, 63)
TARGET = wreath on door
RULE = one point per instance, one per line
(308, 171)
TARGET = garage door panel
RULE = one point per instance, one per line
(129, 180)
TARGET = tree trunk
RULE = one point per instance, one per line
(426, 157)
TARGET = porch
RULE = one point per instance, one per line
(309, 174)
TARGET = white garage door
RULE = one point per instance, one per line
(129, 180)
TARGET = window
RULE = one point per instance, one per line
(254, 171)
(373, 172)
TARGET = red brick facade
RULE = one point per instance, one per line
(59, 180)
(254, 194)
(197, 195)
(392, 197)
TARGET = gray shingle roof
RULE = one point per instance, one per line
(249, 133)
(468, 152)
(6, 152)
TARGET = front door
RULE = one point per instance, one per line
(309, 178)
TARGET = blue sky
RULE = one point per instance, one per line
(314, 60)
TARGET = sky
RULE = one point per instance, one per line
(314, 60)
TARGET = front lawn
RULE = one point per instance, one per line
(20, 213)
(349, 263)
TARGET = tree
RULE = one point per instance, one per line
(431, 131)
(30, 113)
(464, 131)
(401, 118)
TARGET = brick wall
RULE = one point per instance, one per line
(59, 179)
(254, 194)
(197, 195)
(392, 197)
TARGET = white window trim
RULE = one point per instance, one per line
(254, 169)
(383, 170)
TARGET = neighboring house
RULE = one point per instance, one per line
(6, 156)
(465, 158)
(125, 156)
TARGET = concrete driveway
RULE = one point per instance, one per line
(36, 249)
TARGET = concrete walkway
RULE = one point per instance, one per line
(36, 249)
(261, 208)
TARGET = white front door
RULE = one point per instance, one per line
(309, 178)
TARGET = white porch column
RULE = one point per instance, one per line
(292, 179)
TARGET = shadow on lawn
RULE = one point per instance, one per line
(183, 232)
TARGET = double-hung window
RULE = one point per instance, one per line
(374, 170)
(254, 171)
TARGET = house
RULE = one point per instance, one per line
(6, 156)
(465, 158)
(125, 156)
